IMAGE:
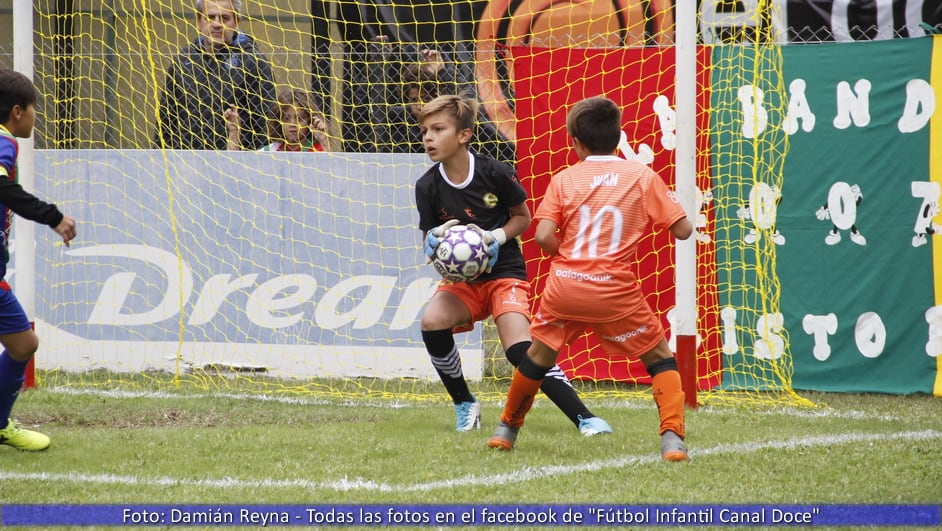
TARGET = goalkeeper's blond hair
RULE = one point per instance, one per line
(463, 109)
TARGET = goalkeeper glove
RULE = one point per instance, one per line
(433, 238)
(493, 239)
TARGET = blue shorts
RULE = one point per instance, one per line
(13, 318)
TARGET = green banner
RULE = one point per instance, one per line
(840, 245)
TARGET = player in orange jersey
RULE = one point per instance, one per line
(590, 221)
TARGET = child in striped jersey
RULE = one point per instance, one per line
(590, 221)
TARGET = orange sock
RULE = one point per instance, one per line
(669, 397)
(519, 399)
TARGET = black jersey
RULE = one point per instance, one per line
(484, 199)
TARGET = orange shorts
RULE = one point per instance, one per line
(492, 298)
(632, 335)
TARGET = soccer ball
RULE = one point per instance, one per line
(462, 255)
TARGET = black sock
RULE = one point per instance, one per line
(659, 366)
(440, 345)
(555, 384)
(556, 387)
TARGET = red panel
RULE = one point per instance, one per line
(546, 83)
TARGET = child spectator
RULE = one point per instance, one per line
(392, 70)
(403, 118)
(295, 124)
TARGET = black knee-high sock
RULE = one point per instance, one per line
(440, 345)
(555, 385)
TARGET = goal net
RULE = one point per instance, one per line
(302, 272)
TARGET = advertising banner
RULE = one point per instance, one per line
(854, 213)
(295, 264)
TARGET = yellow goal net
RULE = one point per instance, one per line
(209, 254)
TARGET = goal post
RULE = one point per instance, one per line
(24, 241)
(685, 89)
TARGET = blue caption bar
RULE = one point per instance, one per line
(471, 515)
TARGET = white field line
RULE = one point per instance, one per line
(518, 476)
(393, 404)
(291, 400)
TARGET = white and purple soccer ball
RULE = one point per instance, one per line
(462, 255)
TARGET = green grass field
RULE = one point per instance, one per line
(227, 447)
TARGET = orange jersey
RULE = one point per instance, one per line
(603, 206)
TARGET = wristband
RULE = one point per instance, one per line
(500, 236)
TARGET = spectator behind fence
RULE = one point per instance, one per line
(400, 78)
(294, 124)
(403, 82)
(222, 69)
(403, 118)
